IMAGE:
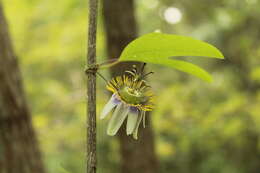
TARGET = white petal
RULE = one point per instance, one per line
(137, 125)
(108, 107)
(117, 119)
(131, 122)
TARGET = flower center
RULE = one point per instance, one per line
(132, 95)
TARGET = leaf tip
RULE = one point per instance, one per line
(220, 56)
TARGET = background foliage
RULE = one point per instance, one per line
(200, 127)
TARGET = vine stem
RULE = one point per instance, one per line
(91, 89)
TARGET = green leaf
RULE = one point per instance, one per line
(188, 68)
(157, 48)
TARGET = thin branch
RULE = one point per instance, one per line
(109, 63)
(91, 89)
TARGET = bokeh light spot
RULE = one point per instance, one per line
(172, 15)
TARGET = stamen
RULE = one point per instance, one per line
(130, 72)
(143, 76)
(142, 69)
(134, 69)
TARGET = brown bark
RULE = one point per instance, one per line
(91, 89)
(121, 28)
(19, 152)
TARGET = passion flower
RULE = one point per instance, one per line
(131, 98)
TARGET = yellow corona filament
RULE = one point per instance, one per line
(137, 88)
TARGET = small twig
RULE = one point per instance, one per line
(102, 77)
(108, 63)
(93, 68)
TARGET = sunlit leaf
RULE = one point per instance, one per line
(157, 48)
(187, 67)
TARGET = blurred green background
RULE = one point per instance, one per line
(208, 128)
